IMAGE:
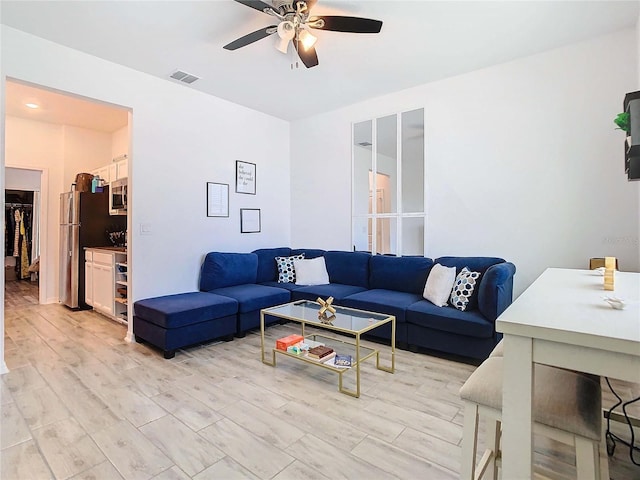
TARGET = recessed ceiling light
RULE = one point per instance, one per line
(32, 105)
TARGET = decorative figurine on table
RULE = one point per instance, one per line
(325, 306)
(327, 319)
(609, 276)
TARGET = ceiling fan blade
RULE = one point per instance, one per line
(251, 37)
(347, 24)
(308, 57)
(257, 4)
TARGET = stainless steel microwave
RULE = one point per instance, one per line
(118, 197)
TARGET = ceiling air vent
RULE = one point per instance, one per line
(184, 77)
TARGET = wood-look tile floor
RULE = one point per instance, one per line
(81, 403)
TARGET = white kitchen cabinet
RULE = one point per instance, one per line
(106, 282)
(118, 170)
(88, 278)
(122, 169)
(103, 291)
(113, 171)
(104, 173)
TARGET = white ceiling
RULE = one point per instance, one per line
(62, 109)
(420, 41)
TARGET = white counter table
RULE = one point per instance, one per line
(563, 320)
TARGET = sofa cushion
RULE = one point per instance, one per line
(348, 268)
(267, 268)
(475, 264)
(426, 314)
(403, 274)
(287, 286)
(390, 302)
(173, 311)
(335, 290)
(252, 297)
(463, 289)
(308, 252)
(227, 269)
(286, 269)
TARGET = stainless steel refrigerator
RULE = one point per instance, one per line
(84, 222)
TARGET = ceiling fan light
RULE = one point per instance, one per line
(286, 30)
(307, 39)
(283, 45)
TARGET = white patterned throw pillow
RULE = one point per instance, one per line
(463, 288)
(286, 270)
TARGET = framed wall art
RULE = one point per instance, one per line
(249, 220)
(245, 177)
(217, 199)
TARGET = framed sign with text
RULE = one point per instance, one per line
(245, 177)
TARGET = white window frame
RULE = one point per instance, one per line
(399, 215)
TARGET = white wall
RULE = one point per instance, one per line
(523, 161)
(22, 179)
(181, 139)
(84, 151)
(120, 143)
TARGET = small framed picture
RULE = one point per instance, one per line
(245, 177)
(217, 199)
(249, 220)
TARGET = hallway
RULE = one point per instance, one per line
(20, 294)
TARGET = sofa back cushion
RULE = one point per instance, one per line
(267, 267)
(308, 252)
(474, 264)
(221, 270)
(402, 274)
(348, 268)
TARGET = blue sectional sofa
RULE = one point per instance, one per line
(379, 283)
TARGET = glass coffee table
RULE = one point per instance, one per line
(347, 321)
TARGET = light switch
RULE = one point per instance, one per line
(145, 229)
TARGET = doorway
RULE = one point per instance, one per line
(383, 205)
(22, 247)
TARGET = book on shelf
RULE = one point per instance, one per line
(325, 359)
(320, 351)
(332, 362)
(343, 360)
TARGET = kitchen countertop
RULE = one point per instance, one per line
(110, 249)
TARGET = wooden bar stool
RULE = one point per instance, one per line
(567, 407)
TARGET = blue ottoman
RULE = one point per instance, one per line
(177, 321)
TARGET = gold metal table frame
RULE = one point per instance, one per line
(347, 321)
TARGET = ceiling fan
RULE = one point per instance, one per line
(295, 20)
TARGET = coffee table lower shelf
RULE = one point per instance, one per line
(343, 348)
